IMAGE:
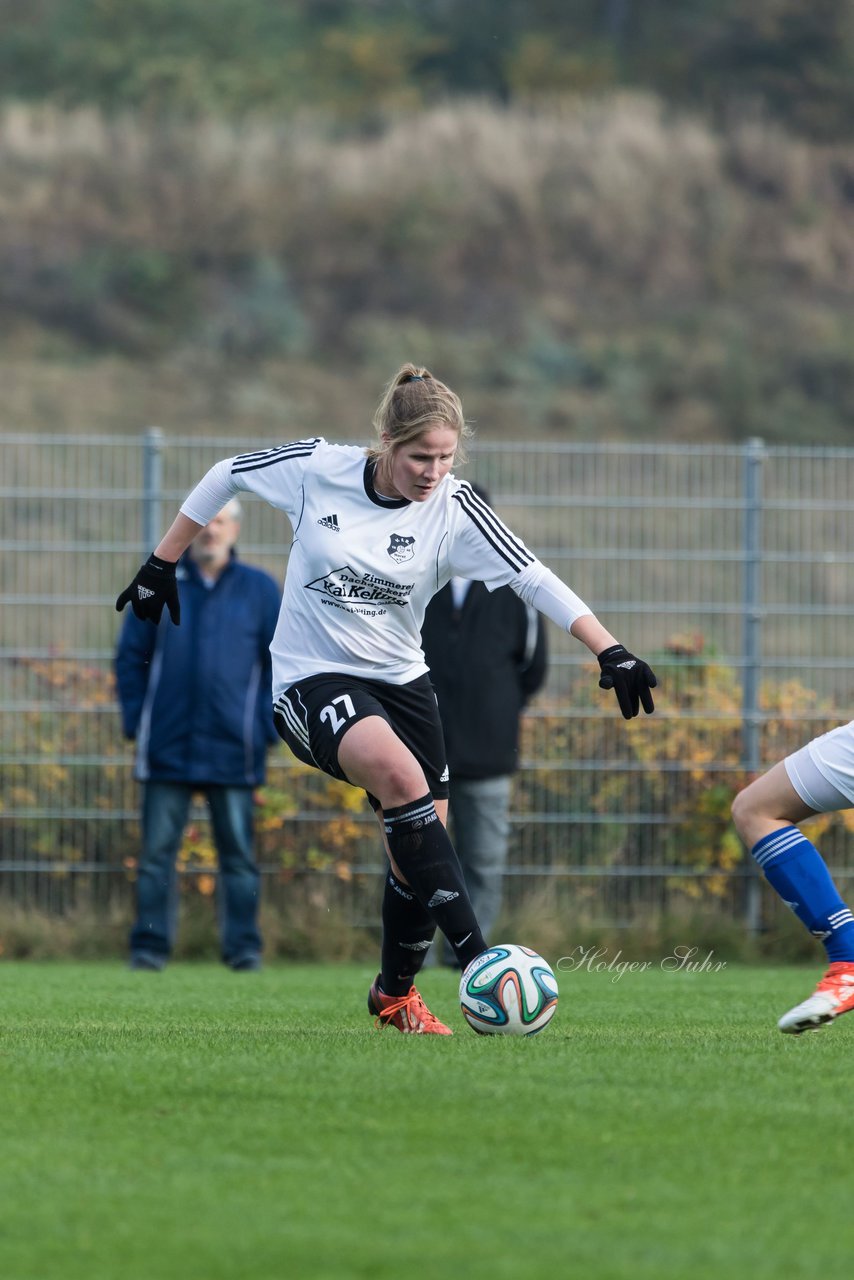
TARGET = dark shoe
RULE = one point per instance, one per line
(148, 961)
(246, 964)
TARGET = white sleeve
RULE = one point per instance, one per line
(211, 493)
(548, 593)
(276, 475)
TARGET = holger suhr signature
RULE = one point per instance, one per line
(680, 960)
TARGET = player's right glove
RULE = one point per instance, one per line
(153, 587)
(630, 678)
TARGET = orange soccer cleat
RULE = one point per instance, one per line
(833, 995)
(408, 1013)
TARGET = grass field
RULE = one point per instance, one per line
(202, 1124)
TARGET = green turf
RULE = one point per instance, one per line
(199, 1123)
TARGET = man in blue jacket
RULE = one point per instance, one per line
(197, 700)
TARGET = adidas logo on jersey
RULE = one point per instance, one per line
(330, 522)
(445, 775)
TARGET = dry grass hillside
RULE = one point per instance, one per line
(581, 269)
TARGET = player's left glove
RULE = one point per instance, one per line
(630, 678)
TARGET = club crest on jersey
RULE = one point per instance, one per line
(401, 549)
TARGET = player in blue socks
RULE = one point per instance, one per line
(819, 778)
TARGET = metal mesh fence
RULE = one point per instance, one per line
(728, 568)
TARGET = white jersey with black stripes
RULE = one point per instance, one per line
(362, 566)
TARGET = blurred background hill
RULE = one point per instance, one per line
(603, 220)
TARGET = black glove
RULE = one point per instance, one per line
(152, 588)
(629, 677)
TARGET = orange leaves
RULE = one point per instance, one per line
(68, 679)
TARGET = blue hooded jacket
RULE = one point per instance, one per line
(198, 697)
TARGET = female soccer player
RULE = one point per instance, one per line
(376, 533)
(819, 778)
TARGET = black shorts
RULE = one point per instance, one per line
(311, 715)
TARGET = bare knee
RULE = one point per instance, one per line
(393, 782)
(401, 784)
(744, 813)
(755, 814)
(767, 804)
(373, 757)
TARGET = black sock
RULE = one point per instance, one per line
(408, 930)
(422, 849)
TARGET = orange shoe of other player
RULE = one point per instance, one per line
(408, 1013)
(833, 995)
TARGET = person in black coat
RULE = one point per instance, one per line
(487, 657)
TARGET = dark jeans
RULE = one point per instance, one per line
(165, 809)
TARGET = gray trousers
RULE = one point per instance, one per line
(479, 823)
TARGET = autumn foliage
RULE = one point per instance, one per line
(595, 794)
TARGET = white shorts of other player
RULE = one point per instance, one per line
(822, 772)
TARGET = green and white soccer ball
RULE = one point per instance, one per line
(508, 991)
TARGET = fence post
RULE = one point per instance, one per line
(152, 487)
(754, 457)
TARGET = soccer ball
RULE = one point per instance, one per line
(508, 991)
